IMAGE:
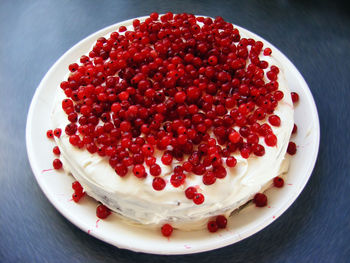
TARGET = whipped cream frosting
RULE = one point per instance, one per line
(135, 198)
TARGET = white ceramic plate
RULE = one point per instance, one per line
(57, 186)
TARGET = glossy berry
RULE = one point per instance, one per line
(234, 137)
(190, 192)
(231, 161)
(208, 178)
(76, 186)
(147, 149)
(57, 164)
(267, 51)
(57, 132)
(274, 120)
(155, 170)
(212, 60)
(49, 134)
(158, 183)
(278, 182)
(221, 221)
(167, 159)
(102, 211)
(167, 230)
(76, 196)
(56, 150)
(139, 171)
(212, 226)
(271, 140)
(198, 198)
(260, 200)
(295, 97)
(292, 148)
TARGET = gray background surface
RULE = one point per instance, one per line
(315, 36)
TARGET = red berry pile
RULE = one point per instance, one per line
(187, 86)
(78, 191)
(219, 222)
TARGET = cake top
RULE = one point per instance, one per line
(187, 89)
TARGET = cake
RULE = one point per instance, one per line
(174, 119)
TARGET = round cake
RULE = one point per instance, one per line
(174, 119)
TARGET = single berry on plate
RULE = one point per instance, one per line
(57, 164)
(267, 51)
(221, 221)
(76, 186)
(212, 226)
(260, 200)
(76, 196)
(295, 129)
(102, 211)
(278, 182)
(292, 148)
(295, 97)
(167, 230)
(56, 150)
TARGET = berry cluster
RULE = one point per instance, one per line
(78, 191)
(187, 86)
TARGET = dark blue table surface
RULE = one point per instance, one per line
(315, 35)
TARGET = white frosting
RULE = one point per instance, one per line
(136, 199)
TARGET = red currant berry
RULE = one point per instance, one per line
(292, 148)
(57, 164)
(158, 183)
(76, 196)
(221, 221)
(147, 149)
(56, 150)
(76, 186)
(190, 192)
(167, 230)
(102, 211)
(278, 182)
(57, 132)
(177, 179)
(167, 159)
(295, 97)
(267, 51)
(231, 161)
(155, 170)
(198, 198)
(274, 120)
(271, 140)
(234, 137)
(49, 134)
(295, 129)
(139, 171)
(260, 200)
(212, 60)
(208, 178)
(212, 226)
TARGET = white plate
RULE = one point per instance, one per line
(57, 186)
